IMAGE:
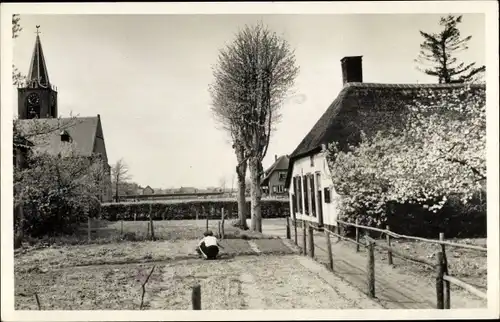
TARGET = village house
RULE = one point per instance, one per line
(274, 178)
(38, 120)
(148, 191)
(368, 107)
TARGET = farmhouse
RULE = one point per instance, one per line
(367, 107)
(148, 191)
(38, 119)
(274, 178)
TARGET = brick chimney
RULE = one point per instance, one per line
(275, 157)
(352, 69)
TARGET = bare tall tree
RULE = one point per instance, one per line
(253, 76)
(120, 175)
(438, 51)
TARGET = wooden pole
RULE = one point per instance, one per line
(206, 229)
(337, 228)
(135, 216)
(389, 253)
(304, 237)
(311, 241)
(287, 227)
(152, 227)
(121, 227)
(149, 223)
(446, 286)
(439, 281)
(371, 270)
(219, 230)
(222, 223)
(89, 224)
(329, 250)
(357, 235)
(196, 297)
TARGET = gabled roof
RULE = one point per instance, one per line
(82, 131)
(369, 107)
(148, 187)
(280, 164)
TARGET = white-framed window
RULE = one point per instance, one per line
(282, 176)
(281, 188)
(311, 159)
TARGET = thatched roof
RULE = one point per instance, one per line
(368, 107)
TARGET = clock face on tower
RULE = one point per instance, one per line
(33, 99)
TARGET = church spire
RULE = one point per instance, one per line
(38, 70)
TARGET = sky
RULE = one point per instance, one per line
(148, 76)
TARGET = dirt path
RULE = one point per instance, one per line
(393, 290)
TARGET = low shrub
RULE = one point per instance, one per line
(187, 209)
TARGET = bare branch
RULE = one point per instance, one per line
(38, 301)
(144, 286)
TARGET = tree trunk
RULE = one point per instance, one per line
(241, 170)
(18, 226)
(255, 194)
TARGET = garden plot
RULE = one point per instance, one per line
(255, 282)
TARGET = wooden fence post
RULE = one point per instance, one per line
(357, 235)
(89, 224)
(218, 229)
(287, 227)
(389, 253)
(329, 250)
(439, 281)
(446, 286)
(196, 297)
(152, 227)
(295, 229)
(196, 211)
(371, 270)
(206, 214)
(121, 227)
(311, 241)
(149, 229)
(304, 237)
(222, 223)
(337, 228)
(135, 216)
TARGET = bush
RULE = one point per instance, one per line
(454, 219)
(187, 209)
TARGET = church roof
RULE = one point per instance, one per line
(369, 107)
(46, 133)
(38, 68)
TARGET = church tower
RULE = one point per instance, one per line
(37, 98)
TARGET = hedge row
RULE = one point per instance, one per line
(189, 209)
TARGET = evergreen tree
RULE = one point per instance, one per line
(438, 52)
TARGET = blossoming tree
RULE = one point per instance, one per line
(440, 153)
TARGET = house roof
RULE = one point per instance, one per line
(45, 133)
(280, 164)
(369, 107)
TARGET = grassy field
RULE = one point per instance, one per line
(241, 283)
(105, 232)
